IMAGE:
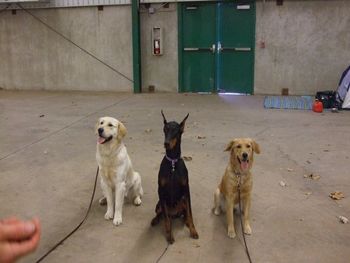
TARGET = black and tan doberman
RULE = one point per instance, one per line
(173, 188)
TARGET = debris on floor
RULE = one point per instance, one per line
(201, 137)
(42, 115)
(336, 195)
(283, 184)
(187, 158)
(290, 170)
(343, 219)
(312, 176)
(148, 130)
(308, 193)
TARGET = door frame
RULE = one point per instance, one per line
(180, 44)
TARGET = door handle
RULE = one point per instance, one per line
(219, 48)
(212, 49)
(242, 49)
(191, 49)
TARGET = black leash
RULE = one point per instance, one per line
(160, 257)
(77, 227)
(240, 214)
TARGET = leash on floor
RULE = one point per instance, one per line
(160, 257)
(240, 214)
(77, 227)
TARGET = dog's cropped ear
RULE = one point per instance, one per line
(229, 146)
(182, 124)
(121, 131)
(164, 119)
(256, 147)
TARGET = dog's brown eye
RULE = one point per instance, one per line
(248, 145)
(239, 146)
(101, 123)
(110, 124)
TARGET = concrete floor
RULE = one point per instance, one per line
(48, 167)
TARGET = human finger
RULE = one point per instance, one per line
(16, 250)
(9, 220)
(17, 231)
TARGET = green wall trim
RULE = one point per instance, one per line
(136, 54)
(254, 47)
(180, 46)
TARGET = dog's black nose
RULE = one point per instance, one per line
(100, 131)
(245, 156)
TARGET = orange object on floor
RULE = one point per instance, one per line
(317, 106)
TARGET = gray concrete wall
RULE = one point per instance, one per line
(307, 45)
(160, 71)
(306, 48)
(33, 57)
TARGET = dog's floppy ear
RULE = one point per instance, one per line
(96, 126)
(182, 124)
(121, 131)
(256, 147)
(164, 119)
(229, 146)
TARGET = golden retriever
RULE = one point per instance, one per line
(118, 178)
(226, 195)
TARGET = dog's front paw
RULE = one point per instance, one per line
(137, 201)
(170, 239)
(117, 220)
(231, 233)
(109, 215)
(247, 229)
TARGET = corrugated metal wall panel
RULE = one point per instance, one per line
(71, 3)
(82, 3)
(172, 1)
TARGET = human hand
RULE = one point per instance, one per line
(18, 238)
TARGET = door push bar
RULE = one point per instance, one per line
(219, 49)
(211, 49)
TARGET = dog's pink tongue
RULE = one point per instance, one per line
(101, 140)
(244, 165)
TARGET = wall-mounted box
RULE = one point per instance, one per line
(157, 41)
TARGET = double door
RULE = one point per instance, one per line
(216, 46)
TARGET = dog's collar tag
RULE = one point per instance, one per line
(173, 162)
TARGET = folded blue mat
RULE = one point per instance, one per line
(289, 102)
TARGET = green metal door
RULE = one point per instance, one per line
(216, 46)
(235, 64)
(198, 47)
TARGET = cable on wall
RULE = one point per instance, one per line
(73, 43)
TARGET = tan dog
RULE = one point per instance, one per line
(226, 195)
(118, 178)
